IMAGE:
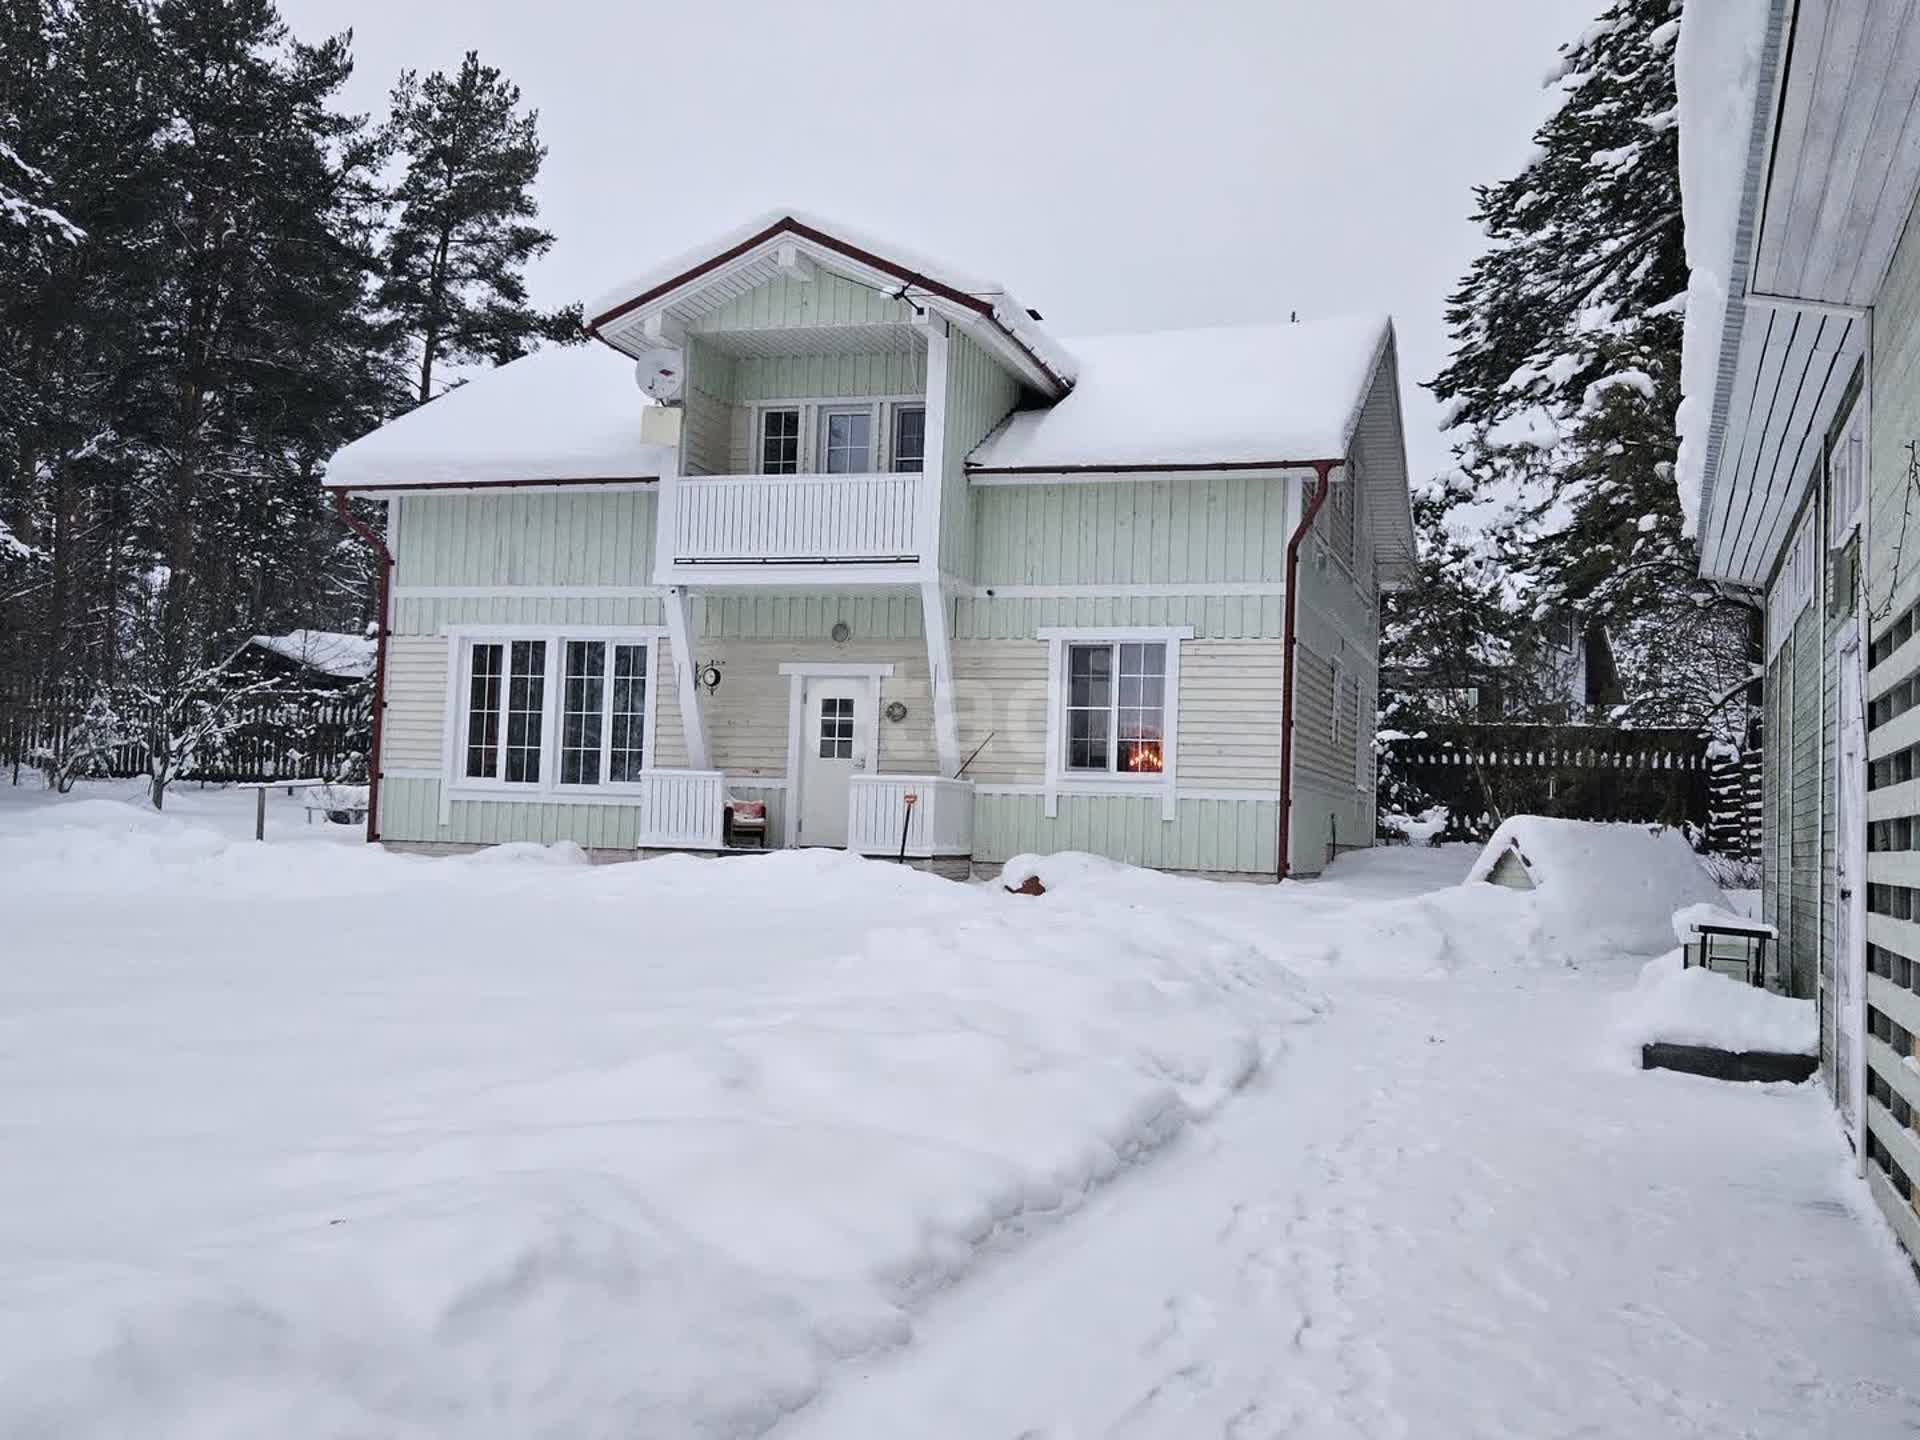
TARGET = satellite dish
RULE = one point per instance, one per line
(659, 373)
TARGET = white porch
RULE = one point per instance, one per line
(686, 810)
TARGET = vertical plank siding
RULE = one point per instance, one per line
(1892, 584)
(585, 537)
(980, 394)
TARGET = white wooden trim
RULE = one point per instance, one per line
(693, 720)
(933, 455)
(528, 592)
(824, 574)
(990, 481)
(1093, 634)
(743, 781)
(449, 724)
(1076, 592)
(830, 668)
(946, 728)
(1074, 787)
(472, 631)
(1058, 782)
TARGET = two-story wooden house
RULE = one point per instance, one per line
(886, 538)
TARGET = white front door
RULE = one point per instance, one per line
(1850, 884)
(833, 739)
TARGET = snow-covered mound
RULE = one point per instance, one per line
(1601, 887)
(1696, 1006)
(306, 1139)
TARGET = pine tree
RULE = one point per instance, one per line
(1564, 376)
(464, 231)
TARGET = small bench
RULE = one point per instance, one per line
(341, 804)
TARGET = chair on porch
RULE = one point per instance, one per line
(746, 820)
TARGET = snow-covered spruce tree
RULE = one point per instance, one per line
(1563, 379)
(464, 230)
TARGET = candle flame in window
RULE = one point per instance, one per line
(1143, 758)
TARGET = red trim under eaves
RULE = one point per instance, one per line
(787, 225)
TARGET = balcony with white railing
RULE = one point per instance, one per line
(743, 522)
(880, 821)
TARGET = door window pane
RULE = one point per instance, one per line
(836, 727)
(780, 442)
(848, 442)
(483, 712)
(626, 755)
(582, 696)
(526, 696)
(909, 438)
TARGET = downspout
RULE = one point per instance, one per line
(379, 656)
(1323, 470)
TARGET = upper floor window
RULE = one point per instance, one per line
(780, 442)
(846, 441)
(910, 437)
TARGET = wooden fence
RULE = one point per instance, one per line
(273, 736)
(1577, 772)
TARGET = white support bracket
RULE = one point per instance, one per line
(792, 263)
(935, 621)
(933, 465)
(693, 720)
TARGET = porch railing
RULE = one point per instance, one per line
(795, 519)
(682, 809)
(940, 821)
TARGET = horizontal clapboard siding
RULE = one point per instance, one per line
(416, 694)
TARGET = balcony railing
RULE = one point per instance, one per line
(795, 519)
(940, 822)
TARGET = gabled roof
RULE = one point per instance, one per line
(1800, 158)
(568, 414)
(703, 279)
(1233, 397)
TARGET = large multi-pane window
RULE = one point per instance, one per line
(780, 442)
(598, 702)
(1116, 707)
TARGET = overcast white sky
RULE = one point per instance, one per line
(1118, 165)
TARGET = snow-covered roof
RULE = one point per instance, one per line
(749, 249)
(1718, 69)
(1229, 395)
(569, 413)
(331, 652)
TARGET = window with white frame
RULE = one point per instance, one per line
(780, 441)
(846, 441)
(1847, 476)
(555, 712)
(1792, 588)
(1338, 691)
(1116, 707)
(909, 438)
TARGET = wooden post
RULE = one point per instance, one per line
(260, 813)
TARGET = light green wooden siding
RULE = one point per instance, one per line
(410, 811)
(825, 301)
(707, 411)
(808, 615)
(1220, 532)
(1235, 836)
(980, 394)
(1893, 582)
(431, 615)
(852, 375)
(592, 536)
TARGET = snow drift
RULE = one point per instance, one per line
(1696, 1006)
(1603, 888)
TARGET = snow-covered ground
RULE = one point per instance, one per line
(303, 1139)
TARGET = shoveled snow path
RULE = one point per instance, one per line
(1444, 1213)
